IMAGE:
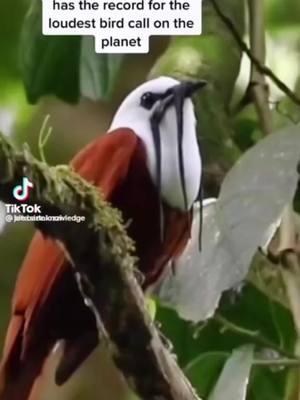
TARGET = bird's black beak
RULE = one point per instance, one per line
(188, 88)
(183, 90)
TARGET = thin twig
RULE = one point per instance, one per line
(255, 336)
(44, 136)
(260, 67)
(278, 362)
(261, 362)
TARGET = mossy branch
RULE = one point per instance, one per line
(102, 256)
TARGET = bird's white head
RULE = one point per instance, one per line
(162, 114)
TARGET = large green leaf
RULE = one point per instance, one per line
(49, 64)
(64, 66)
(98, 72)
(266, 384)
(11, 17)
(202, 355)
(204, 371)
(251, 201)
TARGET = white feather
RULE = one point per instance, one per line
(132, 115)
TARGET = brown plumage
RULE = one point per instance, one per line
(46, 305)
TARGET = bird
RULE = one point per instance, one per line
(148, 165)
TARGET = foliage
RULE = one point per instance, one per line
(67, 67)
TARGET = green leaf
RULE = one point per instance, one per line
(98, 72)
(251, 200)
(266, 384)
(204, 371)
(255, 311)
(151, 307)
(11, 18)
(234, 378)
(49, 64)
(64, 66)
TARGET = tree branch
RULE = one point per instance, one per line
(104, 270)
(262, 68)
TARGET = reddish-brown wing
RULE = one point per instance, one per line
(104, 163)
(46, 303)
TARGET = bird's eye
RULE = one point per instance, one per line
(148, 100)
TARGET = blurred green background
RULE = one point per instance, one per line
(203, 350)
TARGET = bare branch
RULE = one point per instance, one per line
(263, 69)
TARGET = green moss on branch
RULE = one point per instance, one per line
(102, 256)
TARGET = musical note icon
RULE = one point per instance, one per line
(21, 192)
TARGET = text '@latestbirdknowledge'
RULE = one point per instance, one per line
(122, 26)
